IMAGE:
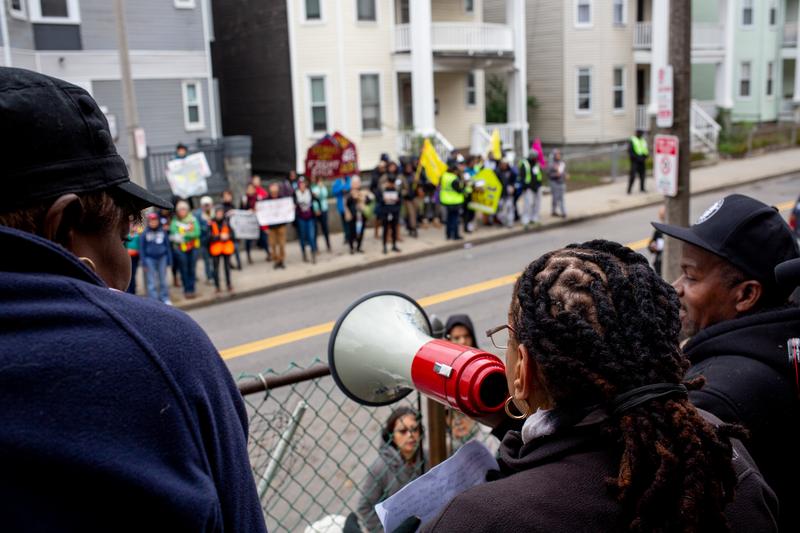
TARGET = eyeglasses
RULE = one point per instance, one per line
(406, 431)
(500, 335)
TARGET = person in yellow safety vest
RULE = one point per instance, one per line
(184, 233)
(451, 196)
(221, 246)
(530, 177)
(637, 152)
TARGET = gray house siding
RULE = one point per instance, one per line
(545, 24)
(251, 61)
(20, 33)
(494, 11)
(151, 25)
(160, 111)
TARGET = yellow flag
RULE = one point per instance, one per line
(430, 161)
(494, 143)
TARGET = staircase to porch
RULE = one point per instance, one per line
(409, 143)
(703, 128)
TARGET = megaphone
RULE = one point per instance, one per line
(381, 348)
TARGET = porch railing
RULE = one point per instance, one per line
(460, 37)
(643, 35)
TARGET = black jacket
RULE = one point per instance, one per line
(748, 381)
(558, 483)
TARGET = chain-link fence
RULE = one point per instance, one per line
(311, 448)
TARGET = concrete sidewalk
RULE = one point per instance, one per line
(260, 277)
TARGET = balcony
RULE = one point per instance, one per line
(790, 34)
(705, 36)
(460, 38)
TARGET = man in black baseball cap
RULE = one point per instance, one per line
(738, 322)
(123, 399)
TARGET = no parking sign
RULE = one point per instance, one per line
(665, 164)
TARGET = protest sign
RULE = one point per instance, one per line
(349, 156)
(486, 196)
(331, 157)
(187, 176)
(244, 224)
(271, 212)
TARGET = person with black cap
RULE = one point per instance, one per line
(738, 324)
(122, 400)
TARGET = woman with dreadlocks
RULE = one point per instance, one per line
(610, 441)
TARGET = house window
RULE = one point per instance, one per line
(469, 6)
(53, 11)
(773, 13)
(583, 12)
(770, 84)
(366, 10)
(313, 9)
(192, 107)
(747, 13)
(370, 102)
(17, 9)
(619, 12)
(184, 4)
(619, 88)
(744, 79)
(319, 106)
(472, 91)
(584, 90)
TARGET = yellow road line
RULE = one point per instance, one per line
(462, 292)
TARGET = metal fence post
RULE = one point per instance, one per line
(280, 449)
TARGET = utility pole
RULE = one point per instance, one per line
(128, 95)
(680, 57)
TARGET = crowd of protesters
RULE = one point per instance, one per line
(396, 200)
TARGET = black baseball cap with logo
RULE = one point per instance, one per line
(749, 234)
(55, 140)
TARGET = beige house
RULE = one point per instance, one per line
(384, 72)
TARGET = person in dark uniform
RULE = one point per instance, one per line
(121, 401)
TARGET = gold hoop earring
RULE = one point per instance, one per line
(89, 263)
(523, 416)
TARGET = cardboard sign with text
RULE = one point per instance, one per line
(271, 212)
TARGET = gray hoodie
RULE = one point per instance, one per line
(385, 476)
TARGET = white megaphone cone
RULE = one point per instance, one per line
(381, 348)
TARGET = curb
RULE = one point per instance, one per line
(449, 247)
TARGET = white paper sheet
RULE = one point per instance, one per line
(427, 495)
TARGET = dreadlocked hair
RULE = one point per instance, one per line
(600, 322)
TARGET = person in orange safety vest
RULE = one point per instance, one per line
(221, 246)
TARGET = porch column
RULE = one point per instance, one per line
(796, 96)
(725, 74)
(421, 66)
(659, 51)
(517, 94)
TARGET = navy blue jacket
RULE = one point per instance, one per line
(118, 414)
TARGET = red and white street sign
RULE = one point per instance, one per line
(665, 164)
(664, 97)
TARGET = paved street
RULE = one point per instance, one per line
(282, 317)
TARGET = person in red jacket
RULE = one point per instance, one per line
(221, 246)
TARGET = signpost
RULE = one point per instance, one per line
(664, 99)
(665, 164)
